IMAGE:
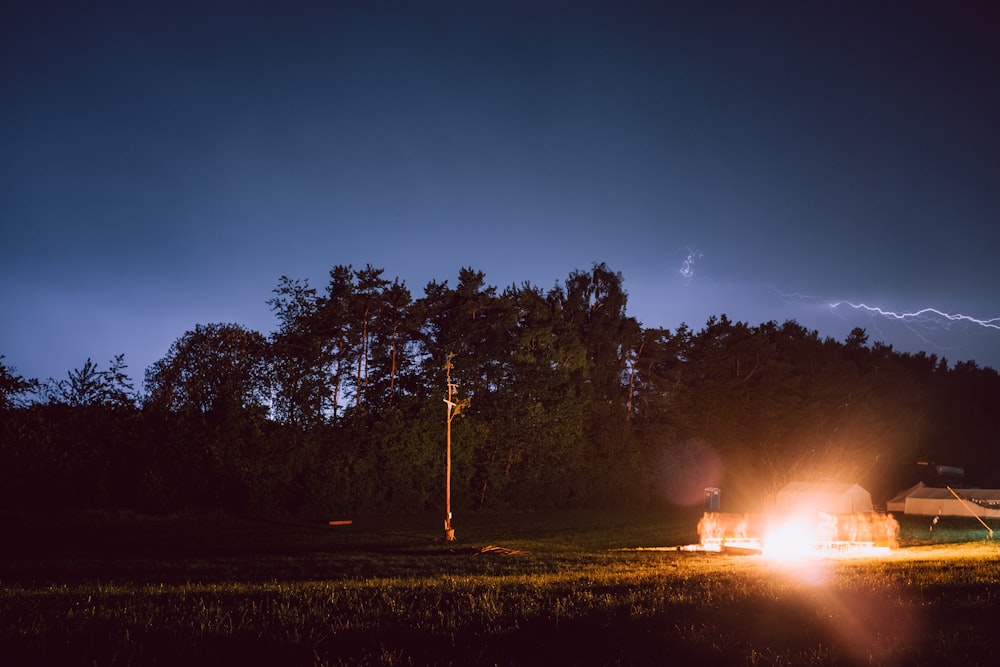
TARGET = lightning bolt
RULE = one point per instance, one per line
(794, 297)
(687, 266)
(925, 323)
(929, 317)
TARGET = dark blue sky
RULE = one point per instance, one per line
(163, 164)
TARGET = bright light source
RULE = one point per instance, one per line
(831, 535)
(794, 539)
(800, 537)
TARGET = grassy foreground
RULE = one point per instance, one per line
(566, 588)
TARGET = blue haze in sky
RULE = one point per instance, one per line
(163, 164)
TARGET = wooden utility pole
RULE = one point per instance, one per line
(455, 406)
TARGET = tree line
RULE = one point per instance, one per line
(571, 403)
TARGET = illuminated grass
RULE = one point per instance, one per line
(383, 593)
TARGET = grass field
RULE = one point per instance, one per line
(583, 588)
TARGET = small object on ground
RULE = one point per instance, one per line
(341, 522)
(498, 550)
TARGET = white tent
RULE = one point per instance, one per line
(810, 498)
(898, 502)
(933, 501)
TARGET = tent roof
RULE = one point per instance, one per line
(832, 497)
(902, 495)
(938, 493)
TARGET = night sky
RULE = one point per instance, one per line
(163, 164)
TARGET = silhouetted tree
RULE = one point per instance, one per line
(302, 356)
(534, 456)
(211, 393)
(594, 306)
(573, 403)
(13, 387)
(392, 346)
(91, 386)
(216, 370)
